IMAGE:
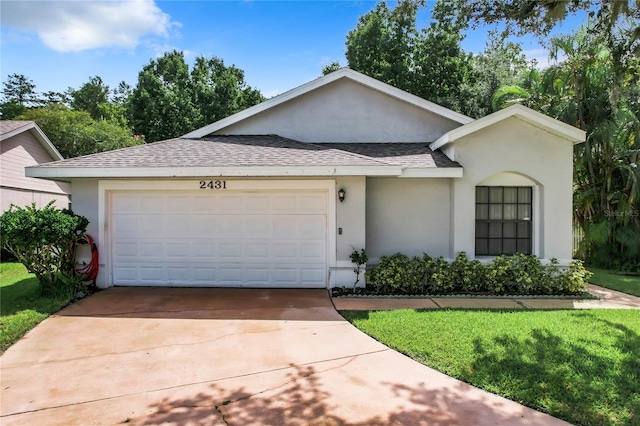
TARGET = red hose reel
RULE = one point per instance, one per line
(90, 270)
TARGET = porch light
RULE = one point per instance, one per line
(341, 194)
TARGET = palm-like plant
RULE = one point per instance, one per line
(583, 90)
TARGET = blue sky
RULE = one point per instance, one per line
(279, 45)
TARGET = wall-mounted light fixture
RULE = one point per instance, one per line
(341, 194)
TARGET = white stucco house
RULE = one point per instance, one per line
(23, 144)
(278, 195)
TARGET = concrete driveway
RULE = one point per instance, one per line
(148, 356)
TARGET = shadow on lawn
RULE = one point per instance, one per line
(26, 294)
(302, 400)
(562, 378)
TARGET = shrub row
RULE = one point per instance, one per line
(517, 274)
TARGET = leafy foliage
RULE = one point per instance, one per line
(44, 241)
(169, 100)
(517, 274)
(75, 133)
(19, 89)
(358, 258)
(90, 96)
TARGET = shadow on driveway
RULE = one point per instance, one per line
(227, 356)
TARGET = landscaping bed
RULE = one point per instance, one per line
(517, 275)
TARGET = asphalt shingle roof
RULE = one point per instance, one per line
(260, 150)
(406, 154)
(7, 126)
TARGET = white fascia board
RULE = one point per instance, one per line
(409, 98)
(432, 172)
(153, 172)
(441, 141)
(37, 132)
(525, 114)
(323, 81)
(263, 106)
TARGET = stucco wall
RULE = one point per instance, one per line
(542, 158)
(16, 153)
(351, 218)
(84, 193)
(409, 216)
(346, 112)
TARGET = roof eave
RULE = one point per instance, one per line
(59, 173)
(432, 172)
(37, 132)
(528, 115)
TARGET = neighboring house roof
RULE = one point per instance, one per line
(10, 128)
(343, 73)
(253, 155)
(528, 115)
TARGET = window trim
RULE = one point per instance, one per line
(530, 222)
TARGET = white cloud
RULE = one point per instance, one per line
(71, 26)
(542, 57)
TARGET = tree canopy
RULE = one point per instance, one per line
(170, 100)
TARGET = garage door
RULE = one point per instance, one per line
(240, 239)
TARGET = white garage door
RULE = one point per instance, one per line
(240, 238)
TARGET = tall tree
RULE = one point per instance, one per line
(387, 45)
(89, 96)
(502, 63)
(614, 24)
(162, 103)
(382, 45)
(606, 176)
(20, 89)
(18, 93)
(220, 91)
(75, 133)
(441, 67)
(170, 100)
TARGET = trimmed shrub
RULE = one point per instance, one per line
(573, 280)
(44, 241)
(467, 275)
(517, 274)
(394, 274)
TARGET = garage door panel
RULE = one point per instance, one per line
(257, 251)
(312, 204)
(257, 203)
(232, 203)
(260, 239)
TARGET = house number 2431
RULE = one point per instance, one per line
(213, 184)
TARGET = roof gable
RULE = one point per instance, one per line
(521, 112)
(11, 128)
(325, 81)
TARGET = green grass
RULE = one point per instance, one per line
(618, 281)
(21, 305)
(581, 366)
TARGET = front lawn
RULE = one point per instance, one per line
(21, 305)
(618, 281)
(580, 366)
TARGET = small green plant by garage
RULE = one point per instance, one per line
(358, 258)
(44, 241)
